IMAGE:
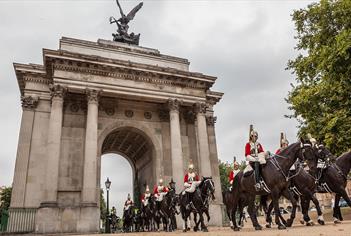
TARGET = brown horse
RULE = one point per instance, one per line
(276, 176)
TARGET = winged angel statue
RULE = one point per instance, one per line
(122, 24)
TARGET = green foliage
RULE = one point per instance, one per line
(224, 171)
(103, 207)
(5, 198)
(321, 98)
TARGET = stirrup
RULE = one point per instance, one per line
(258, 186)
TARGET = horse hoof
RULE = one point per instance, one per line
(204, 230)
(259, 227)
(302, 222)
(281, 227)
(289, 223)
(337, 222)
(236, 229)
(310, 223)
(268, 226)
(195, 229)
(321, 222)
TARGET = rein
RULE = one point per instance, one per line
(274, 161)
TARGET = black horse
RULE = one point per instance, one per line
(276, 176)
(334, 176)
(200, 199)
(128, 219)
(303, 186)
(147, 214)
(168, 210)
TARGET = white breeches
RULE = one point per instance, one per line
(159, 197)
(191, 188)
(126, 207)
(145, 201)
(261, 158)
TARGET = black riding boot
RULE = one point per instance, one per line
(257, 176)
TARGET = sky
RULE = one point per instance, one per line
(246, 44)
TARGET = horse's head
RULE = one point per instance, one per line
(323, 152)
(307, 152)
(208, 186)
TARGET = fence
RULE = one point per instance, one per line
(21, 220)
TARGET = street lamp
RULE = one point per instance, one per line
(107, 222)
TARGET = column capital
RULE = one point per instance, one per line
(211, 120)
(57, 91)
(174, 104)
(200, 107)
(29, 102)
(92, 95)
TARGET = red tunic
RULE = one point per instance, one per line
(248, 149)
(231, 176)
(188, 180)
(164, 190)
(278, 151)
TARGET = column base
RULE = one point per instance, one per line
(216, 214)
(80, 219)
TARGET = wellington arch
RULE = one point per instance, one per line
(92, 98)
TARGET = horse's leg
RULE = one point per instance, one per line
(269, 215)
(275, 200)
(305, 205)
(286, 193)
(252, 212)
(203, 226)
(233, 218)
(319, 211)
(336, 209)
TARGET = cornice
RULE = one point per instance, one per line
(52, 57)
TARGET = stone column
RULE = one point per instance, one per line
(29, 103)
(205, 163)
(54, 145)
(176, 143)
(89, 193)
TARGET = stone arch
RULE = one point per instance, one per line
(132, 129)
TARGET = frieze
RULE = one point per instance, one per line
(29, 102)
(163, 115)
(36, 79)
(147, 115)
(129, 113)
(135, 76)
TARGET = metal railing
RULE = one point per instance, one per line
(21, 220)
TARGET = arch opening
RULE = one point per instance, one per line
(136, 147)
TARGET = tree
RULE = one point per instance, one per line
(102, 206)
(5, 198)
(224, 169)
(321, 98)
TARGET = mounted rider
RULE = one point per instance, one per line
(233, 173)
(128, 203)
(145, 197)
(160, 190)
(256, 156)
(284, 143)
(113, 211)
(191, 181)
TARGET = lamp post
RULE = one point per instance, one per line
(107, 223)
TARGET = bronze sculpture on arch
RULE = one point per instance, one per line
(122, 24)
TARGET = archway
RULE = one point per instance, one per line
(137, 148)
